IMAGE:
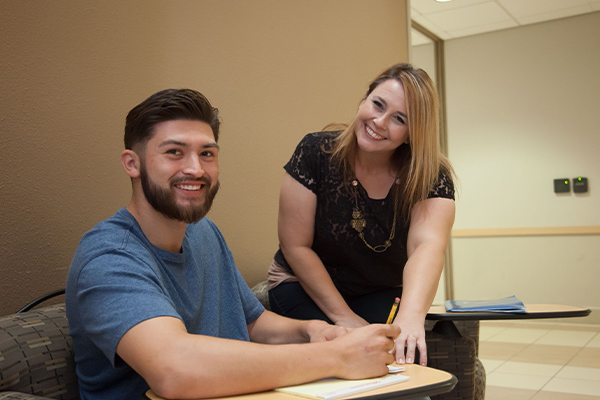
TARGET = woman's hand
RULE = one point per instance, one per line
(351, 321)
(321, 331)
(411, 337)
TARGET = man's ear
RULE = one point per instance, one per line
(131, 163)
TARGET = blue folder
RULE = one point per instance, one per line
(509, 304)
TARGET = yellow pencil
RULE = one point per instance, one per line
(393, 311)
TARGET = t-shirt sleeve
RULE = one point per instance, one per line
(252, 307)
(304, 163)
(115, 292)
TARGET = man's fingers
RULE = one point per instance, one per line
(392, 331)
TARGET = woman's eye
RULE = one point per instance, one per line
(377, 104)
(400, 119)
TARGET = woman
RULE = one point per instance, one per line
(365, 215)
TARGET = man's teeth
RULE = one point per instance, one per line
(371, 133)
(189, 187)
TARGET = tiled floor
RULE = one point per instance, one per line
(540, 360)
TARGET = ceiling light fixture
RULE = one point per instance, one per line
(443, 1)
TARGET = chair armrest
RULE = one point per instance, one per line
(20, 396)
(36, 355)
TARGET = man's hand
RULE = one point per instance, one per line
(366, 352)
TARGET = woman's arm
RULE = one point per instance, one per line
(271, 328)
(428, 236)
(297, 210)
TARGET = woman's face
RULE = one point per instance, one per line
(381, 121)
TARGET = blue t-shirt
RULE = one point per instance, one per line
(118, 279)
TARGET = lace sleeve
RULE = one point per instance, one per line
(444, 187)
(305, 163)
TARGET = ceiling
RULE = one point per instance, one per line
(460, 18)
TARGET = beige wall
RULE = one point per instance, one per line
(522, 111)
(71, 70)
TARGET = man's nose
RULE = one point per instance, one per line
(193, 166)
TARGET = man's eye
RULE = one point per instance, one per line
(207, 154)
(173, 151)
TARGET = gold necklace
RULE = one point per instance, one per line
(359, 223)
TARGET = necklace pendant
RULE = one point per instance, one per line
(358, 222)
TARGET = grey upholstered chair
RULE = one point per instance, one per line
(36, 356)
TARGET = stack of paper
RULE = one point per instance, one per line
(509, 304)
(334, 388)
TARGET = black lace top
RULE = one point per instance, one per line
(353, 267)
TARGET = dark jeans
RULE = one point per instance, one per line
(290, 300)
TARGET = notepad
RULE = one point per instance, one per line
(334, 388)
(509, 304)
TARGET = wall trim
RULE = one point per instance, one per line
(540, 231)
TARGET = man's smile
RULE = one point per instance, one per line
(187, 186)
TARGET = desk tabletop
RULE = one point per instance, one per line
(424, 381)
(534, 311)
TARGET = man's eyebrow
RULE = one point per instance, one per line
(170, 142)
(173, 142)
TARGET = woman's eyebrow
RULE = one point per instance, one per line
(385, 104)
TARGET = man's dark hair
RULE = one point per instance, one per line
(168, 105)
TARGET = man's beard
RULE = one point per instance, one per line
(163, 200)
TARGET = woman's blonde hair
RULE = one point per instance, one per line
(420, 162)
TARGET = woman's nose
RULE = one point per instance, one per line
(380, 121)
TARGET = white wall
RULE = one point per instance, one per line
(523, 108)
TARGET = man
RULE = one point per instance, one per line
(153, 295)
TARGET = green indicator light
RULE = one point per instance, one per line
(566, 182)
(579, 179)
